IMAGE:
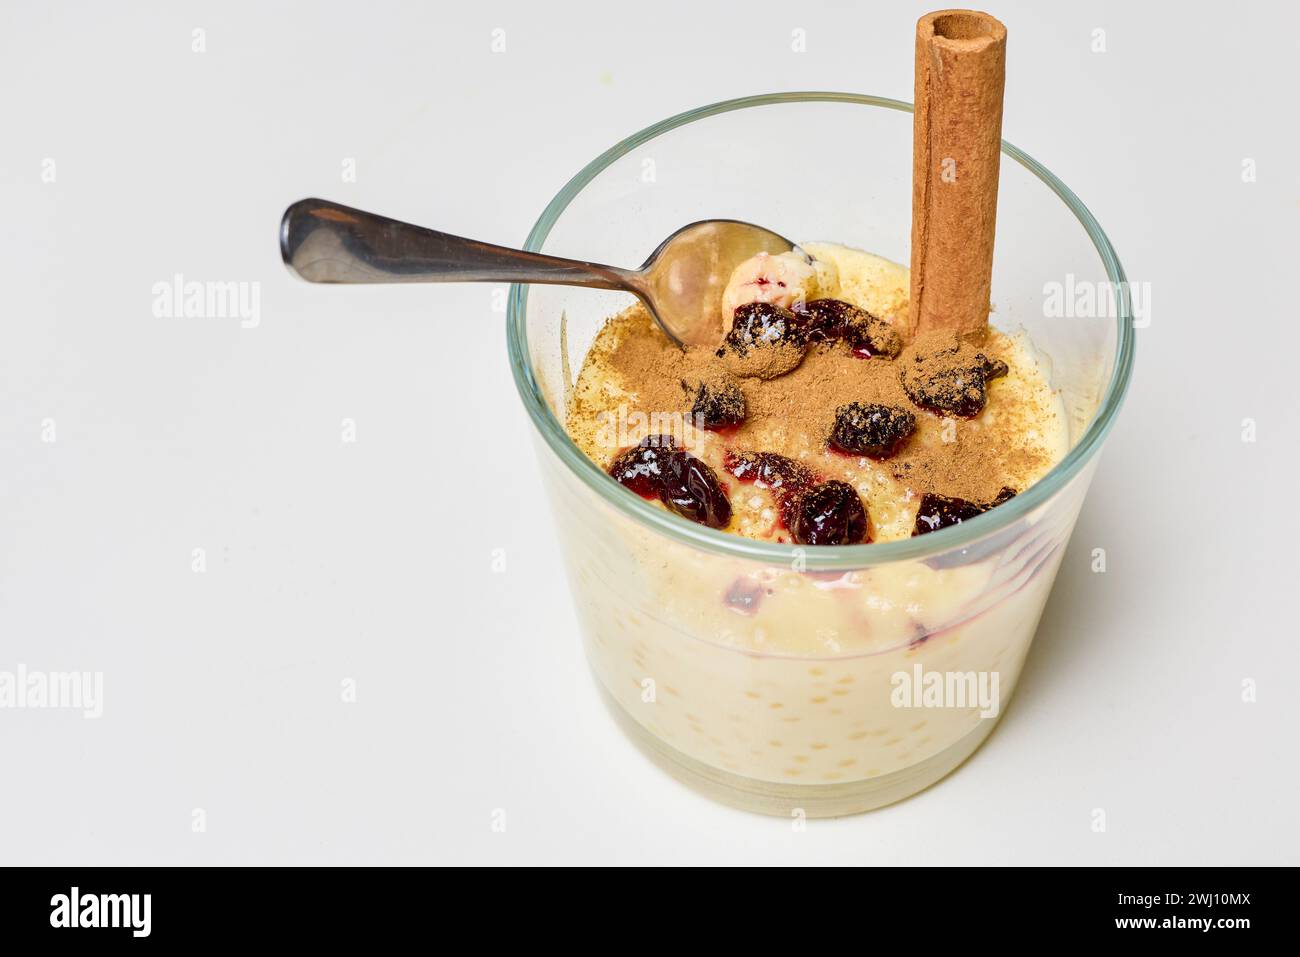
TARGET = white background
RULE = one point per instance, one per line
(372, 560)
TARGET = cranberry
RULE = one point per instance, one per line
(952, 391)
(829, 514)
(878, 431)
(691, 489)
(770, 470)
(940, 511)
(757, 324)
(829, 320)
(642, 468)
(824, 319)
(718, 405)
(959, 389)
(765, 341)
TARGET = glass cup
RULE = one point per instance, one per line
(826, 680)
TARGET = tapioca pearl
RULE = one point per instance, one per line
(840, 692)
(792, 772)
(793, 719)
(819, 746)
(801, 758)
(831, 776)
(693, 719)
(816, 672)
(818, 700)
(926, 740)
(846, 680)
(893, 741)
(847, 763)
(857, 735)
(776, 705)
(919, 725)
(669, 689)
(754, 695)
(872, 772)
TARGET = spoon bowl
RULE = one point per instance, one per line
(683, 280)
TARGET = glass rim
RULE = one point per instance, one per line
(822, 557)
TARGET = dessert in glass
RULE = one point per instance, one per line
(775, 545)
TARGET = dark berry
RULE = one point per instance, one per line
(757, 324)
(718, 404)
(947, 383)
(829, 514)
(769, 470)
(949, 391)
(642, 468)
(691, 489)
(940, 511)
(878, 431)
(765, 341)
(830, 320)
(824, 319)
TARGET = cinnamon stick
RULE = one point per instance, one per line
(957, 138)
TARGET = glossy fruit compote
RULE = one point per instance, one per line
(814, 420)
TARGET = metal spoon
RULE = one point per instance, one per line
(681, 283)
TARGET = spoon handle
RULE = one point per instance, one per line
(325, 242)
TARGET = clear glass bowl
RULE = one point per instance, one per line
(766, 710)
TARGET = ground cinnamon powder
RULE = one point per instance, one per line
(793, 414)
